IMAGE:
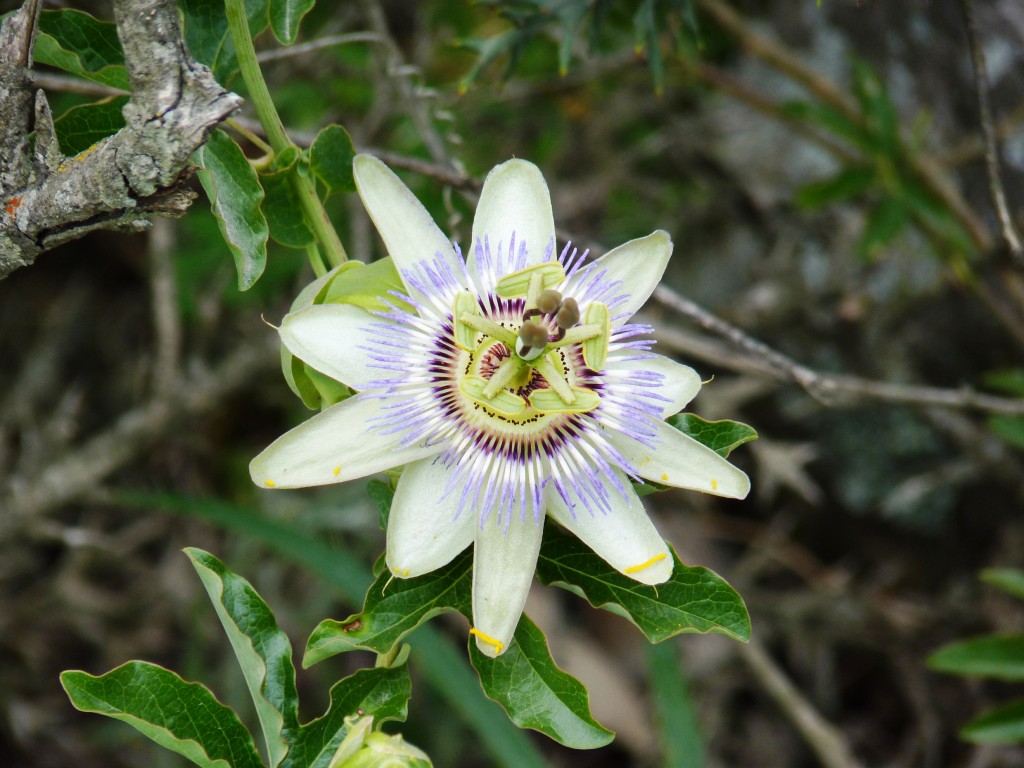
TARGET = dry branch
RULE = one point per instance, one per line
(124, 180)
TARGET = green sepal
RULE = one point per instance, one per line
(263, 651)
(180, 716)
(720, 436)
(528, 684)
(371, 286)
(235, 197)
(693, 600)
(515, 284)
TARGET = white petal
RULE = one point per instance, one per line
(409, 233)
(680, 383)
(679, 460)
(334, 446)
(624, 537)
(638, 265)
(423, 531)
(503, 566)
(514, 200)
(331, 338)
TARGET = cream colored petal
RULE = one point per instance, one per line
(637, 266)
(409, 233)
(680, 383)
(680, 461)
(424, 531)
(334, 446)
(514, 200)
(503, 566)
(333, 339)
(624, 536)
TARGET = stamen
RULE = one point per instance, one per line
(595, 350)
(517, 284)
(555, 380)
(532, 340)
(568, 314)
(496, 644)
(500, 378)
(549, 301)
(575, 335)
(502, 402)
(491, 328)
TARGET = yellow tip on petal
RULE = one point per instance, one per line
(270, 483)
(646, 564)
(714, 485)
(665, 477)
(337, 471)
(496, 644)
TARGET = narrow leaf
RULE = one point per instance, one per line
(393, 608)
(1010, 580)
(180, 716)
(82, 45)
(537, 694)
(330, 157)
(720, 436)
(886, 219)
(382, 692)
(693, 600)
(283, 211)
(1002, 725)
(998, 656)
(235, 196)
(674, 709)
(263, 650)
(285, 16)
(847, 184)
(88, 124)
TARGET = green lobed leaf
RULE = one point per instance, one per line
(180, 716)
(207, 36)
(330, 158)
(693, 600)
(998, 656)
(1010, 580)
(235, 197)
(82, 45)
(847, 184)
(393, 608)
(1002, 725)
(283, 211)
(263, 650)
(383, 692)
(285, 16)
(382, 494)
(537, 694)
(84, 126)
(720, 436)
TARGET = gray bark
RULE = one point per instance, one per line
(123, 181)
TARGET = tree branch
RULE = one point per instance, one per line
(124, 180)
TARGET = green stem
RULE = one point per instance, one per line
(304, 186)
(315, 260)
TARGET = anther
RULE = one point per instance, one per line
(568, 314)
(532, 340)
(549, 301)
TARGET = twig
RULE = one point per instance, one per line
(825, 739)
(995, 184)
(123, 181)
(166, 318)
(328, 41)
(53, 82)
(827, 387)
(71, 475)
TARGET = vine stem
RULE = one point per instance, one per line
(303, 184)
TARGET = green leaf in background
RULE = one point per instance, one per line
(720, 436)
(235, 196)
(207, 36)
(1002, 725)
(998, 656)
(393, 608)
(330, 157)
(674, 710)
(1010, 429)
(647, 30)
(180, 716)
(845, 185)
(382, 692)
(693, 600)
(283, 211)
(263, 650)
(285, 16)
(880, 116)
(1010, 380)
(830, 119)
(81, 45)
(382, 494)
(886, 220)
(1010, 580)
(82, 127)
(537, 694)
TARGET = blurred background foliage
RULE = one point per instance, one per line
(821, 172)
